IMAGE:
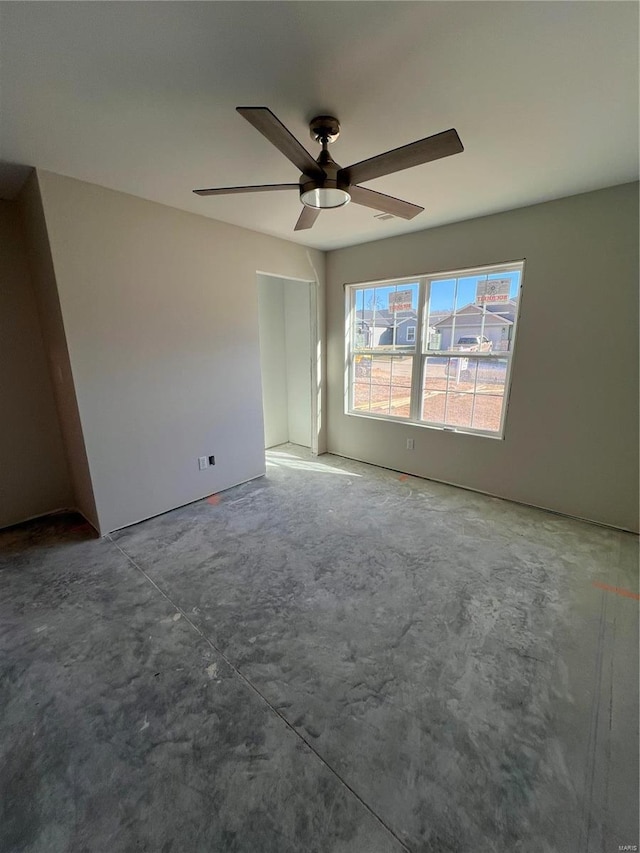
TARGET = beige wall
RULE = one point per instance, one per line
(33, 470)
(152, 341)
(273, 360)
(571, 441)
(298, 347)
(160, 315)
(55, 342)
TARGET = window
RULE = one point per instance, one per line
(434, 350)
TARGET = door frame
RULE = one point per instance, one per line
(315, 350)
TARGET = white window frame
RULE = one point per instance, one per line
(420, 353)
(412, 329)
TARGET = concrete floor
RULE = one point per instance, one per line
(332, 659)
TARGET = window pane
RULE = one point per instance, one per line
(434, 388)
(433, 406)
(461, 374)
(459, 409)
(362, 368)
(361, 380)
(490, 385)
(487, 412)
(401, 369)
(400, 401)
(382, 385)
(480, 313)
(491, 376)
(463, 392)
(441, 306)
(435, 374)
(385, 317)
(361, 397)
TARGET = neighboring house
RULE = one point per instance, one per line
(401, 331)
(379, 328)
(496, 324)
(376, 328)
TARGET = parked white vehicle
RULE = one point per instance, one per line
(473, 343)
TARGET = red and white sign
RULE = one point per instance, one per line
(401, 300)
(493, 290)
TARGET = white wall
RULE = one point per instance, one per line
(161, 318)
(284, 310)
(33, 471)
(298, 349)
(571, 441)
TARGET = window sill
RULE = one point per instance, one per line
(438, 427)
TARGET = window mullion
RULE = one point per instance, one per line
(454, 316)
(416, 374)
(349, 367)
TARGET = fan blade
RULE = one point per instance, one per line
(259, 189)
(270, 126)
(423, 151)
(307, 218)
(387, 203)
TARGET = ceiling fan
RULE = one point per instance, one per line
(323, 183)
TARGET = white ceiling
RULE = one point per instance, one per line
(140, 97)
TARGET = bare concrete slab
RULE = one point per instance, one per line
(331, 658)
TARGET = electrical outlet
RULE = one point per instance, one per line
(202, 463)
(212, 460)
(410, 444)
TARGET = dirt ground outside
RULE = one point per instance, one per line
(456, 392)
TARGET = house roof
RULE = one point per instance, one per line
(492, 318)
(385, 318)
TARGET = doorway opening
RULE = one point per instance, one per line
(287, 321)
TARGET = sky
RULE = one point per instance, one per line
(442, 292)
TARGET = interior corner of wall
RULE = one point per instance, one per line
(32, 201)
(313, 267)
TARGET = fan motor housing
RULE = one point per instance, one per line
(324, 129)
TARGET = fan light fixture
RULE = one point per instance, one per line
(325, 197)
(323, 183)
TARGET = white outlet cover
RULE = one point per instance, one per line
(203, 462)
